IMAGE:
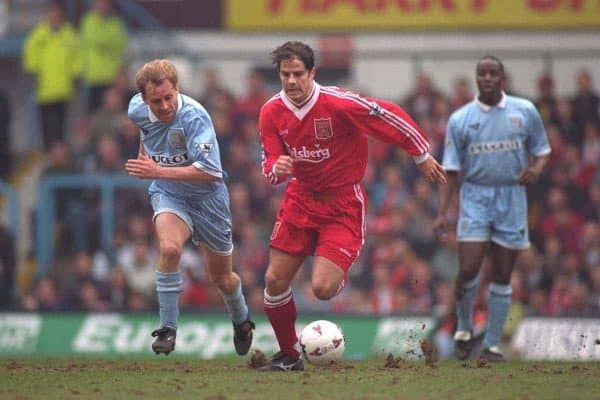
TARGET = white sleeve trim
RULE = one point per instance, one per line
(544, 152)
(421, 159)
(206, 170)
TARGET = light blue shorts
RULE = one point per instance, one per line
(493, 213)
(207, 216)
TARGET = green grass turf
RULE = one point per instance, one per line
(165, 378)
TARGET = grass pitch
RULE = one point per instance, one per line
(164, 378)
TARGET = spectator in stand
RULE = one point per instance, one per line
(124, 85)
(107, 119)
(461, 92)
(118, 289)
(256, 94)
(215, 97)
(51, 54)
(8, 266)
(546, 99)
(138, 261)
(595, 285)
(561, 221)
(570, 131)
(128, 138)
(420, 101)
(586, 103)
(5, 136)
(590, 149)
(70, 202)
(83, 291)
(44, 297)
(103, 43)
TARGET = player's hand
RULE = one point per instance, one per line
(440, 228)
(283, 165)
(432, 170)
(143, 167)
(529, 175)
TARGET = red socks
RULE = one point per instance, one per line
(281, 311)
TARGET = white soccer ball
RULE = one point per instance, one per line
(322, 342)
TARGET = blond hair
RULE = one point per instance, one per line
(155, 72)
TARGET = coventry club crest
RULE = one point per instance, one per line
(176, 138)
(516, 121)
(323, 128)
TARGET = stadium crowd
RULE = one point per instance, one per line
(401, 269)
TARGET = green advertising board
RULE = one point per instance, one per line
(202, 336)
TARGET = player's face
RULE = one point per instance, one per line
(162, 100)
(296, 81)
(490, 77)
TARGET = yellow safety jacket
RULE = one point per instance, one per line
(53, 56)
(103, 43)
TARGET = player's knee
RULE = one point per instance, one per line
(275, 284)
(225, 282)
(468, 272)
(324, 290)
(170, 252)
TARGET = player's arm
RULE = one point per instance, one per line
(276, 162)
(537, 145)
(389, 123)
(532, 173)
(144, 167)
(446, 192)
(451, 162)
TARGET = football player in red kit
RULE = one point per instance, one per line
(315, 137)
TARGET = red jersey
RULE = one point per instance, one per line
(327, 136)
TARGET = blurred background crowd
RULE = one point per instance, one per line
(401, 270)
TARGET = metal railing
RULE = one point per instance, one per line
(46, 213)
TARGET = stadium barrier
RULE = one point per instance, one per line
(107, 185)
(558, 339)
(204, 336)
(207, 336)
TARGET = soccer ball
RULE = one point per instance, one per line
(322, 342)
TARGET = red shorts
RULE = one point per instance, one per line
(329, 224)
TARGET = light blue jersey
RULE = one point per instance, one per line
(490, 146)
(189, 139)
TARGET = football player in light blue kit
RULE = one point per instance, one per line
(498, 145)
(179, 150)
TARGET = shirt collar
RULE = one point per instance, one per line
(154, 118)
(300, 112)
(486, 107)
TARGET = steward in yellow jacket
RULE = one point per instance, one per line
(103, 43)
(51, 54)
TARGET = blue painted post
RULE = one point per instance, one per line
(108, 215)
(45, 226)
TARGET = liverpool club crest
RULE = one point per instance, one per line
(323, 128)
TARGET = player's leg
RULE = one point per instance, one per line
(212, 228)
(510, 234)
(229, 284)
(172, 233)
(327, 278)
(341, 236)
(280, 309)
(465, 289)
(499, 300)
(473, 233)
